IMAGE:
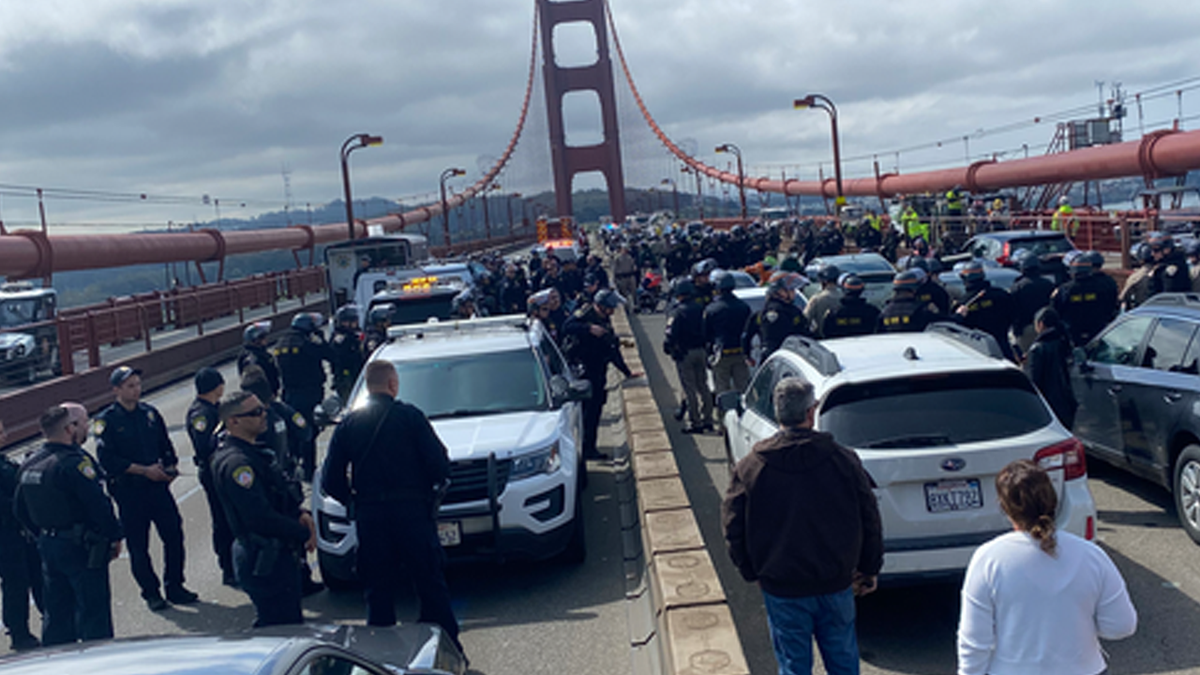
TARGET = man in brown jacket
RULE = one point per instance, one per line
(801, 519)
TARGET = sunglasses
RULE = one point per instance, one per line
(253, 412)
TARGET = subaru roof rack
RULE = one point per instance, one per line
(825, 361)
(1177, 299)
(437, 327)
(978, 340)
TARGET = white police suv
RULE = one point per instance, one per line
(507, 407)
(933, 416)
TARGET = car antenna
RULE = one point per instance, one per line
(910, 353)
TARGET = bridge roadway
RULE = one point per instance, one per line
(516, 618)
(912, 630)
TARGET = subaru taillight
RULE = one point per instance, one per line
(1066, 456)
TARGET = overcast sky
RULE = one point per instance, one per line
(218, 97)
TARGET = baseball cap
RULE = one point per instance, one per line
(121, 374)
(208, 379)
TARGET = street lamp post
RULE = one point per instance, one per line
(730, 147)
(448, 173)
(823, 103)
(353, 143)
(487, 222)
(674, 196)
(508, 202)
(699, 188)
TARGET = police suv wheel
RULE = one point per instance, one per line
(1187, 490)
(331, 579)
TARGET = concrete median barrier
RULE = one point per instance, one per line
(674, 585)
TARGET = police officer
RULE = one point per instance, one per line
(378, 321)
(59, 498)
(853, 315)
(904, 313)
(300, 354)
(397, 464)
(201, 422)
(1170, 273)
(589, 341)
(986, 307)
(20, 564)
(930, 291)
(1030, 292)
(825, 300)
(683, 341)
(347, 346)
(268, 523)
(140, 462)
(1084, 303)
(255, 352)
(779, 316)
(724, 320)
(702, 279)
(1137, 286)
(463, 305)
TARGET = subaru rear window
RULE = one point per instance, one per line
(933, 410)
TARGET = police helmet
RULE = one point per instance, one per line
(784, 281)
(539, 299)
(683, 288)
(828, 273)
(380, 314)
(347, 314)
(305, 322)
(1028, 262)
(907, 280)
(706, 266)
(1096, 258)
(1143, 253)
(916, 262)
(852, 284)
(256, 331)
(1160, 241)
(609, 298)
(723, 280)
(972, 271)
(1079, 264)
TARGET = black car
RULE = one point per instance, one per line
(1139, 397)
(1003, 247)
(291, 650)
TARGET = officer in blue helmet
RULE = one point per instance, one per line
(986, 307)
(930, 292)
(702, 278)
(779, 317)
(853, 315)
(1085, 303)
(256, 353)
(378, 321)
(1030, 292)
(683, 341)
(1170, 273)
(347, 346)
(301, 354)
(827, 299)
(903, 313)
(724, 320)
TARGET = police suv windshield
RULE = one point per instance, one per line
(473, 385)
(932, 411)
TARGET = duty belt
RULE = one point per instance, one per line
(735, 350)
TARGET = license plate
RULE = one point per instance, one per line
(449, 534)
(953, 495)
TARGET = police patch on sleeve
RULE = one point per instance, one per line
(244, 476)
(200, 423)
(98, 427)
(299, 420)
(772, 316)
(87, 469)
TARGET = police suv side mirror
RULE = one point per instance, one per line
(730, 400)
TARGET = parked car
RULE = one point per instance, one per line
(1003, 247)
(506, 405)
(1139, 397)
(300, 650)
(933, 416)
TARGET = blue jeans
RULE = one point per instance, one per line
(795, 622)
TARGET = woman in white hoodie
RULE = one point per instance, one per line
(1034, 600)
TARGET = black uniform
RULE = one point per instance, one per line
(139, 436)
(347, 347)
(904, 315)
(852, 316)
(20, 564)
(201, 422)
(774, 323)
(397, 463)
(931, 292)
(991, 310)
(373, 338)
(724, 321)
(594, 354)
(265, 519)
(1170, 275)
(1029, 294)
(300, 355)
(1086, 305)
(59, 497)
(254, 355)
(683, 340)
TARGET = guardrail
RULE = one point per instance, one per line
(691, 626)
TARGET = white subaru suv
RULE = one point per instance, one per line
(507, 407)
(933, 416)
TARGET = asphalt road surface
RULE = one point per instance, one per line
(516, 618)
(912, 630)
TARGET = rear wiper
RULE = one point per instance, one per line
(915, 441)
(461, 412)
